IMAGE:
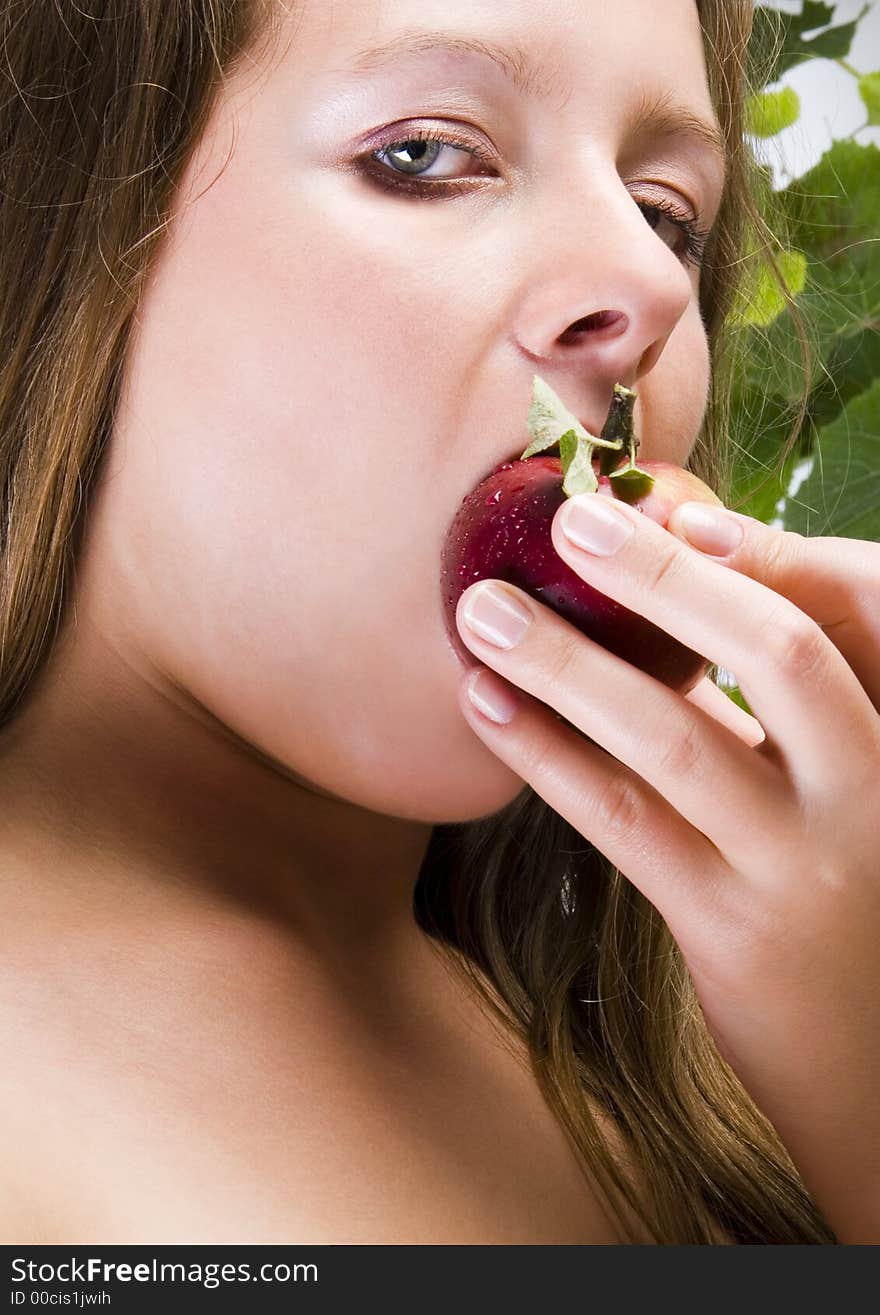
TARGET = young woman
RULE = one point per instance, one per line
(297, 944)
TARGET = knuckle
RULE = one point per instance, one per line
(783, 554)
(665, 566)
(795, 644)
(563, 658)
(681, 754)
(617, 805)
(540, 756)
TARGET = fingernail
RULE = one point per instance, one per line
(711, 530)
(490, 697)
(594, 523)
(496, 616)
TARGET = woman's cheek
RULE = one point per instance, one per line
(673, 396)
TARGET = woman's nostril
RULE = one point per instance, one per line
(602, 319)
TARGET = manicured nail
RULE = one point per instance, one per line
(496, 616)
(594, 523)
(709, 529)
(491, 697)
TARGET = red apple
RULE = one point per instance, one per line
(502, 531)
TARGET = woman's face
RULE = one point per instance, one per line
(328, 359)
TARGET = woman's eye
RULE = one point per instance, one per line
(428, 156)
(686, 231)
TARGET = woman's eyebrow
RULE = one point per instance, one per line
(659, 115)
(513, 63)
(655, 116)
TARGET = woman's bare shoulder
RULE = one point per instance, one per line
(53, 1104)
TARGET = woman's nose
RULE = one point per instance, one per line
(602, 292)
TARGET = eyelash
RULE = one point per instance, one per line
(695, 237)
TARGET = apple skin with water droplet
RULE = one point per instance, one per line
(501, 531)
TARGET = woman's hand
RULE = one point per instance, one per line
(762, 855)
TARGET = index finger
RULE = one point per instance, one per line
(814, 712)
(835, 580)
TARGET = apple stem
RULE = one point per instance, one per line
(629, 481)
(619, 426)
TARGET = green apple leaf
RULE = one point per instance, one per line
(551, 424)
(575, 456)
(549, 420)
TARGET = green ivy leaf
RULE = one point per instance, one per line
(770, 61)
(762, 300)
(839, 192)
(869, 90)
(853, 363)
(757, 487)
(831, 212)
(833, 43)
(769, 112)
(841, 495)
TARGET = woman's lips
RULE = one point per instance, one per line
(516, 455)
(502, 461)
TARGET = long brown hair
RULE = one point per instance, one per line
(98, 118)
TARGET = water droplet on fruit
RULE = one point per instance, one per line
(494, 497)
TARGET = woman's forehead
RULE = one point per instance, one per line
(550, 40)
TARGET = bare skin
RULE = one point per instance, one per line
(222, 1021)
(308, 1106)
